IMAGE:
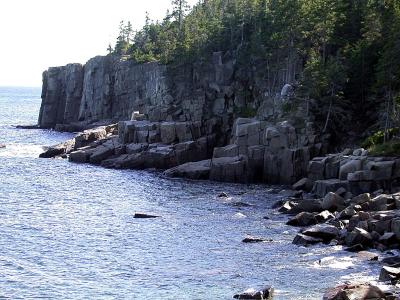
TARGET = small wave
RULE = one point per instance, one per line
(21, 150)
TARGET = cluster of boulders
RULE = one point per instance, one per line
(354, 171)
(258, 152)
(357, 292)
(357, 222)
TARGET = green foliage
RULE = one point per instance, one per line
(391, 148)
(286, 107)
(349, 49)
(378, 138)
(247, 112)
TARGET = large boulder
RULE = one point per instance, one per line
(354, 291)
(305, 240)
(359, 236)
(229, 169)
(304, 184)
(332, 202)
(303, 219)
(325, 232)
(322, 187)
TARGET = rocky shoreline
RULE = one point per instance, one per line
(358, 221)
(220, 121)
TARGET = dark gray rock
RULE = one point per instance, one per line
(144, 216)
(266, 293)
(305, 240)
(254, 239)
(324, 231)
(389, 274)
(359, 236)
(192, 170)
(302, 219)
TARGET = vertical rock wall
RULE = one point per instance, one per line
(61, 95)
(205, 101)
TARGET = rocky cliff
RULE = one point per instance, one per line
(242, 122)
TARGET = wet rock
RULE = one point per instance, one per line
(388, 238)
(81, 156)
(355, 248)
(305, 240)
(389, 274)
(144, 216)
(191, 170)
(359, 236)
(222, 195)
(324, 216)
(304, 184)
(381, 202)
(304, 205)
(59, 149)
(101, 153)
(255, 239)
(2, 146)
(325, 232)
(332, 202)
(390, 261)
(322, 187)
(356, 291)
(395, 226)
(278, 204)
(240, 204)
(303, 219)
(265, 294)
(360, 199)
(286, 207)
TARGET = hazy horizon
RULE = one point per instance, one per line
(47, 33)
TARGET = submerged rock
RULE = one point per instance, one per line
(254, 239)
(266, 293)
(144, 216)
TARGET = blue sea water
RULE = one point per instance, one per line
(67, 230)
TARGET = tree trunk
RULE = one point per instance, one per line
(328, 116)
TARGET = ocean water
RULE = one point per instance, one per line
(67, 230)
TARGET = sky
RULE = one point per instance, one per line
(38, 34)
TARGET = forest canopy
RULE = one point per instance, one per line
(349, 50)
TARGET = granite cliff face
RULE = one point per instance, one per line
(241, 122)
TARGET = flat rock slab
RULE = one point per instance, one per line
(144, 216)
